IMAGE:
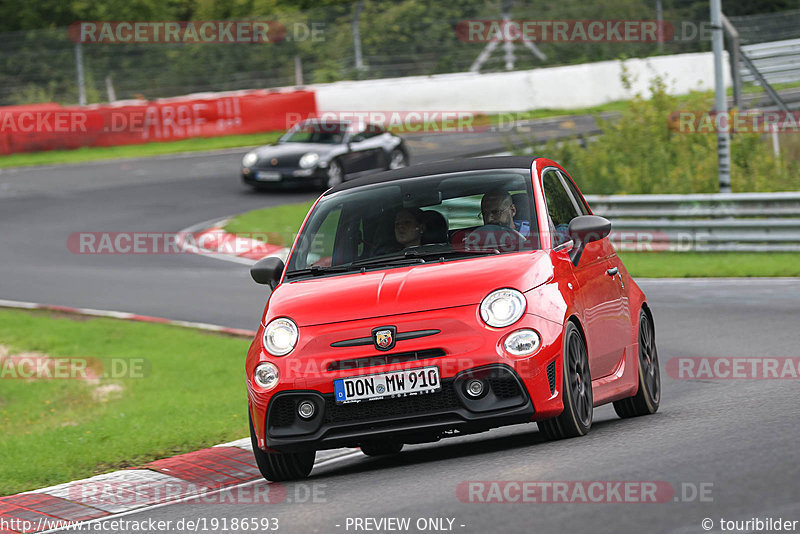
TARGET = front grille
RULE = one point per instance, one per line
(551, 376)
(443, 399)
(282, 412)
(385, 359)
(504, 387)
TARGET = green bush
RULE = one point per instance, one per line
(641, 153)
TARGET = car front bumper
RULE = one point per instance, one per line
(464, 347)
(415, 418)
(289, 177)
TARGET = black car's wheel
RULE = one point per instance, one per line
(647, 399)
(276, 466)
(381, 447)
(335, 174)
(576, 419)
(398, 159)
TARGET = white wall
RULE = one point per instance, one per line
(572, 86)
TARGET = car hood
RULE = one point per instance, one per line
(293, 149)
(393, 291)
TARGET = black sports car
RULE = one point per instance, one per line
(323, 154)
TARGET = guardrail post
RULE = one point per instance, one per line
(733, 56)
(720, 100)
(79, 69)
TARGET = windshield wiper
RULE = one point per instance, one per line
(412, 256)
(317, 270)
(405, 259)
(409, 257)
(444, 253)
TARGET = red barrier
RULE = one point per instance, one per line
(53, 127)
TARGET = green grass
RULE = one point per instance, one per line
(750, 88)
(281, 222)
(192, 395)
(711, 264)
(80, 155)
(546, 113)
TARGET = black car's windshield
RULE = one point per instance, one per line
(316, 132)
(418, 220)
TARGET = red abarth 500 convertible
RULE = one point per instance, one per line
(441, 300)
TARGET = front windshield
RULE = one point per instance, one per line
(330, 133)
(417, 220)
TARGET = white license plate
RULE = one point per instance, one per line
(268, 176)
(394, 384)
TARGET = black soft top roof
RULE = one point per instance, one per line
(439, 167)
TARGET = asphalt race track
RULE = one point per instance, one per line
(733, 440)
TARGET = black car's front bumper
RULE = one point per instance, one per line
(288, 178)
(411, 419)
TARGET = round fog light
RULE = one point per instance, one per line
(306, 409)
(522, 342)
(475, 388)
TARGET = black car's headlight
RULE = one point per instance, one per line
(250, 159)
(309, 160)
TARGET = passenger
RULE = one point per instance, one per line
(409, 227)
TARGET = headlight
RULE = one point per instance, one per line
(523, 342)
(309, 160)
(250, 159)
(266, 375)
(502, 307)
(280, 336)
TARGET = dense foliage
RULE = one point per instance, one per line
(643, 151)
(399, 38)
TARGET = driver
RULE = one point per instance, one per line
(498, 231)
(497, 208)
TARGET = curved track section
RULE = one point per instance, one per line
(733, 439)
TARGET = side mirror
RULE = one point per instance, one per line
(357, 138)
(267, 271)
(585, 229)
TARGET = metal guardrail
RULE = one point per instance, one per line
(758, 222)
(777, 61)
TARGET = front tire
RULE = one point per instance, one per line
(278, 466)
(576, 391)
(648, 397)
(382, 447)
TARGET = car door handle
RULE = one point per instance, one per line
(612, 271)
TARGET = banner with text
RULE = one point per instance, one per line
(53, 127)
